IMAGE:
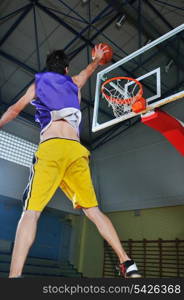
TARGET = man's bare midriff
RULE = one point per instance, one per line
(60, 129)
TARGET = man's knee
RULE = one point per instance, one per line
(30, 215)
(92, 212)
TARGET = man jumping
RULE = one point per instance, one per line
(60, 160)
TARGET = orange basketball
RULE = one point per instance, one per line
(107, 56)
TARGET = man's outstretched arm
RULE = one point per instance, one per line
(13, 111)
(83, 76)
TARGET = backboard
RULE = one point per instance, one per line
(159, 66)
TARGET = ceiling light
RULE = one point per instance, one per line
(167, 67)
(120, 22)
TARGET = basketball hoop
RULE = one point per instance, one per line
(124, 94)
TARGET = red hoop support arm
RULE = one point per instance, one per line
(168, 126)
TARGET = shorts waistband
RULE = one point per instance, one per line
(55, 138)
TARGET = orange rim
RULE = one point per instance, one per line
(120, 100)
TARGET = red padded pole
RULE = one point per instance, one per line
(168, 126)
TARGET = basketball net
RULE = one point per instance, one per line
(124, 95)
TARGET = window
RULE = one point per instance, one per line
(16, 149)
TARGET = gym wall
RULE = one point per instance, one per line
(139, 169)
(151, 224)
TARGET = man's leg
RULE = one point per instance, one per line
(25, 235)
(44, 179)
(77, 185)
(127, 266)
(107, 231)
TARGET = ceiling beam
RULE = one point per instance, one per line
(15, 24)
(36, 38)
(170, 5)
(149, 30)
(87, 41)
(153, 8)
(156, 11)
(13, 12)
(33, 71)
(17, 62)
(63, 23)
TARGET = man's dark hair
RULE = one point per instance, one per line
(57, 61)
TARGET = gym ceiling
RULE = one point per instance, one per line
(31, 29)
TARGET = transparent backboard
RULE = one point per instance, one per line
(159, 66)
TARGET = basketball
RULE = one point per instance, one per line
(107, 55)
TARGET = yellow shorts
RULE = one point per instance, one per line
(60, 163)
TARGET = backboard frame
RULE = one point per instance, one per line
(100, 76)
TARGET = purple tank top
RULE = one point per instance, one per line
(56, 98)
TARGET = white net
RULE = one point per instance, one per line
(120, 94)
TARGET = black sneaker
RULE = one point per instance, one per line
(128, 269)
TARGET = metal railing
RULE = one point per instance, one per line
(154, 258)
